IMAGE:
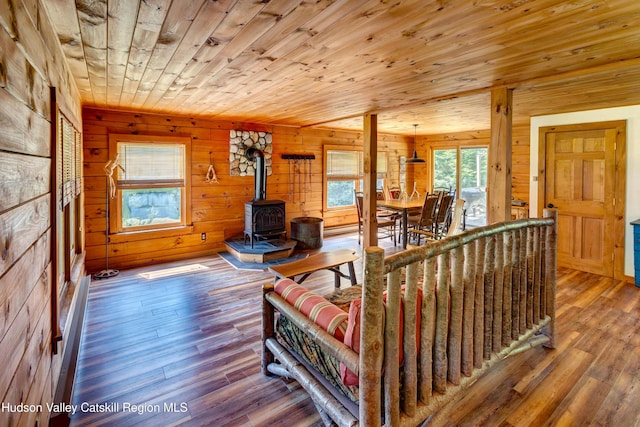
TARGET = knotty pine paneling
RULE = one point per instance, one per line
(27, 270)
(519, 157)
(21, 228)
(217, 209)
(35, 363)
(22, 130)
(31, 62)
(22, 178)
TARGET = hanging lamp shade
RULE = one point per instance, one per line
(415, 158)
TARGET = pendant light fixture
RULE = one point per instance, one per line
(415, 158)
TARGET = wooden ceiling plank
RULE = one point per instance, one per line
(580, 47)
(456, 55)
(313, 62)
(336, 15)
(123, 16)
(178, 21)
(378, 59)
(207, 19)
(317, 20)
(347, 52)
(63, 14)
(257, 84)
(285, 35)
(255, 28)
(235, 20)
(92, 20)
(362, 14)
(151, 15)
(286, 25)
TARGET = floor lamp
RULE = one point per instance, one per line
(109, 168)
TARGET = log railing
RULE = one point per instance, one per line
(487, 293)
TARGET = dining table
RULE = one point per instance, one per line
(403, 206)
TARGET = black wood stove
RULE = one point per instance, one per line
(263, 219)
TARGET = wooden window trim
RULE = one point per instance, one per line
(459, 146)
(115, 204)
(326, 178)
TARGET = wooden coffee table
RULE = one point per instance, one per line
(331, 260)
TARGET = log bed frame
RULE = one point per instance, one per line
(487, 293)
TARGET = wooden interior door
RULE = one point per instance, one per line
(581, 181)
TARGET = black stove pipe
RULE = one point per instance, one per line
(260, 182)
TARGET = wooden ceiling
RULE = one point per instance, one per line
(327, 62)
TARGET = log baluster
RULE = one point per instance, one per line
(488, 284)
(507, 286)
(478, 323)
(496, 337)
(468, 314)
(442, 319)
(392, 349)
(456, 316)
(427, 329)
(409, 345)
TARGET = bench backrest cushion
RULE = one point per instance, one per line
(323, 313)
(352, 335)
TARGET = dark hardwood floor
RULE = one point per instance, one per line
(179, 344)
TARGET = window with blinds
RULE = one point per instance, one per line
(69, 165)
(148, 164)
(152, 183)
(344, 173)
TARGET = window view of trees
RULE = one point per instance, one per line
(473, 180)
(445, 164)
(469, 178)
(344, 176)
(341, 193)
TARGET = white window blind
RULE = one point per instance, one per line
(350, 163)
(150, 164)
(343, 163)
(69, 165)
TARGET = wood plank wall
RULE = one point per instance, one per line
(31, 61)
(519, 161)
(217, 209)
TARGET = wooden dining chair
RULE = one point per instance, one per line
(386, 223)
(455, 226)
(424, 220)
(443, 215)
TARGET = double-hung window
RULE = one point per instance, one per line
(151, 182)
(344, 175)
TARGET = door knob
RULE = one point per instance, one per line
(550, 206)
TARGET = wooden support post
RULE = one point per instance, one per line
(499, 182)
(370, 225)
